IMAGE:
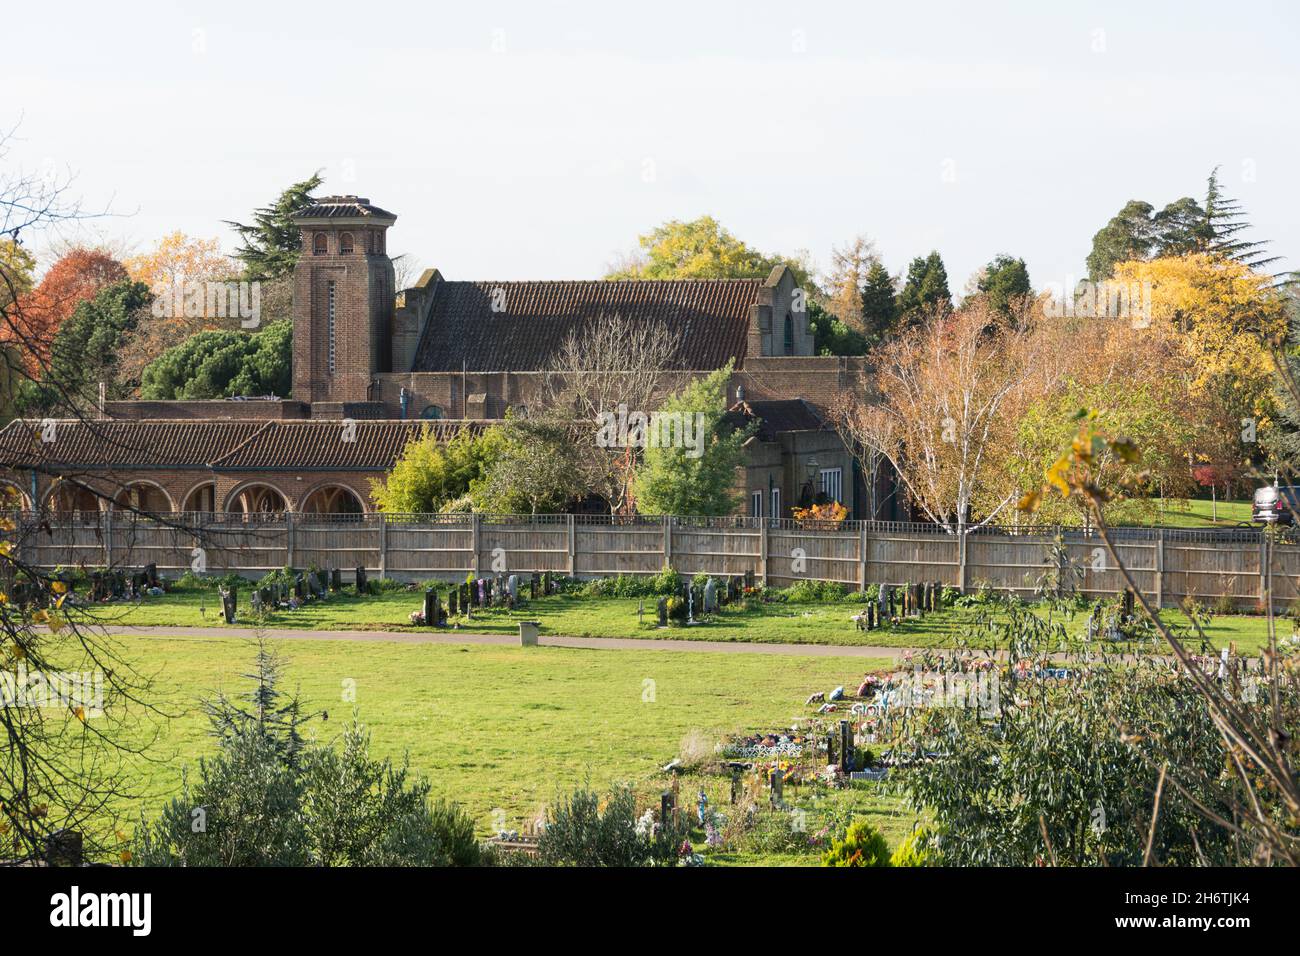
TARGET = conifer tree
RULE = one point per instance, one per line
(272, 243)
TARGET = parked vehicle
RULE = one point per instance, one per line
(1276, 505)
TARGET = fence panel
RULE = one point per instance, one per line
(1171, 563)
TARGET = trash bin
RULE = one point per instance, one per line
(528, 633)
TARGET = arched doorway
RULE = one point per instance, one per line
(143, 496)
(202, 497)
(69, 499)
(257, 500)
(332, 500)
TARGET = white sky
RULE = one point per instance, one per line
(518, 143)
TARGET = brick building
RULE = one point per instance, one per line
(372, 365)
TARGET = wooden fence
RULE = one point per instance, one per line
(1168, 564)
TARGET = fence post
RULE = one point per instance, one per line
(1160, 568)
(862, 557)
(762, 551)
(961, 560)
(1264, 596)
(108, 537)
(383, 545)
(668, 541)
(288, 539)
(473, 542)
(571, 546)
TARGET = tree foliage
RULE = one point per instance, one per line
(701, 249)
(1005, 283)
(267, 798)
(430, 473)
(222, 364)
(270, 245)
(86, 350)
(924, 290)
(673, 480)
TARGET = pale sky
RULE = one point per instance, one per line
(515, 142)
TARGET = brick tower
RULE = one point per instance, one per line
(342, 300)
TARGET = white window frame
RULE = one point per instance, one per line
(831, 483)
(776, 503)
(756, 504)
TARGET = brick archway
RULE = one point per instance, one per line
(143, 496)
(332, 499)
(69, 498)
(257, 497)
(202, 497)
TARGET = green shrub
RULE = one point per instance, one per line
(677, 609)
(667, 581)
(579, 832)
(773, 831)
(862, 845)
(918, 849)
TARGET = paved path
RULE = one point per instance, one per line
(512, 640)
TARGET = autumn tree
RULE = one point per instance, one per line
(700, 249)
(77, 276)
(170, 270)
(943, 398)
(1223, 315)
(846, 279)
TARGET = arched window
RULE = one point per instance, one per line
(432, 412)
(345, 244)
(789, 335)
(319, 244)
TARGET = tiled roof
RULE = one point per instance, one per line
(342, 207)
(532, 319)
(322, 444)
(125, 444)
(780, 415)
(307, 445)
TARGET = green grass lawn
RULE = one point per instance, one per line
(1195, 513)
(577, 616)
(493, 728)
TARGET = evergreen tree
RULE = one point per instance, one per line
(86, 348)
(272, 243)
(879, 308)
(831, 336)
(223, 363)
(1005, 281)
(925, 287)
(1225, 219)
(264, 711)
(1126, 237)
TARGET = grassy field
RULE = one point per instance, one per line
(494, 728)
(577, 616)
(1195, 513)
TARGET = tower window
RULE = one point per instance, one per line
(789, 335)
(345, 244)
(329, 323)
(318, 244)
